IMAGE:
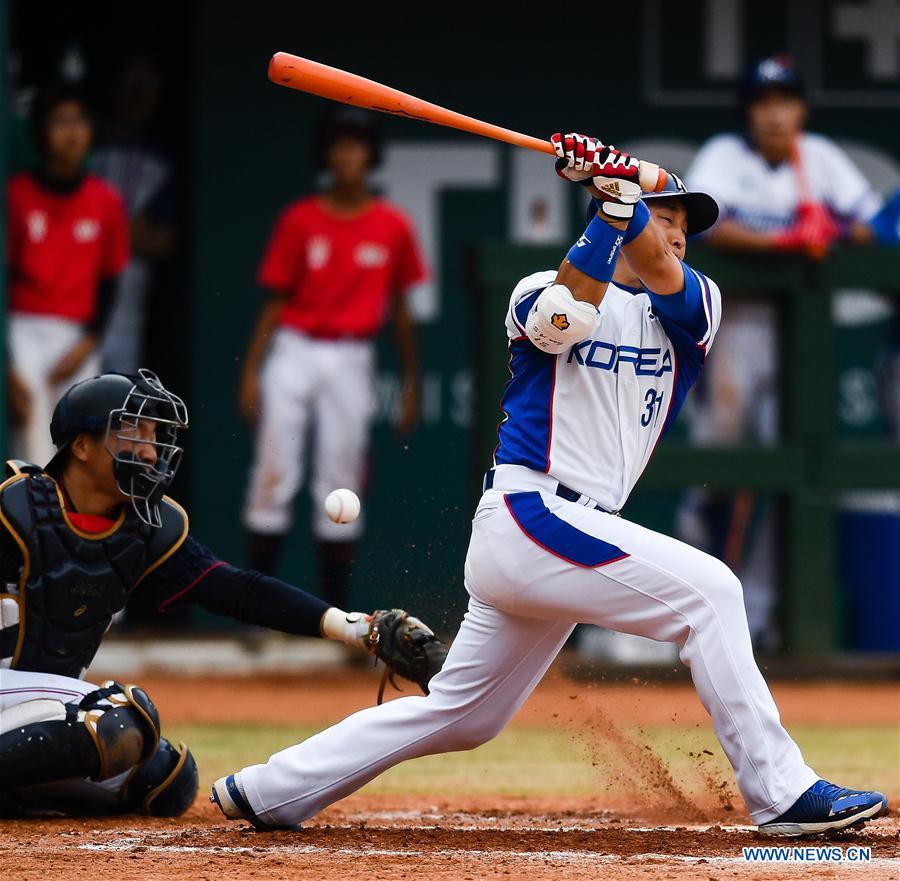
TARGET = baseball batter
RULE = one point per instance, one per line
(603, 352)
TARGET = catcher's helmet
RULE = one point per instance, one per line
(115, 404)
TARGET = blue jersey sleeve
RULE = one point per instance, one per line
(690, 319)
(694, 312)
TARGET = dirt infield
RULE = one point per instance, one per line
(667, 832)
(433, 843)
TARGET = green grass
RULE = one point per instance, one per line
(559, 761)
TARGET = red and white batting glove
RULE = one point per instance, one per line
(576, 155)
(614, 176)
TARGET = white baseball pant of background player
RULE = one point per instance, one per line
(326, 386)
(36, 343)
(524, 602)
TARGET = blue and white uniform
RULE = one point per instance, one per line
(547, 553)
(593, 416)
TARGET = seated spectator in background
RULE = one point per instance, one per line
(779, 188)
(143, 176)
(67, 243)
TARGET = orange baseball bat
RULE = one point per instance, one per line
(348, 88)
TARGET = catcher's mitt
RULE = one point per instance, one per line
(406, 646)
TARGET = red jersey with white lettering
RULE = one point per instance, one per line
(338, 274)
(60, 245)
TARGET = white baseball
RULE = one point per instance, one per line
(342, 505)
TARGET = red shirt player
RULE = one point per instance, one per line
(67, 241)
(336, 268)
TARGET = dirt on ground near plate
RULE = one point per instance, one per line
(396, 841)
(669, 836)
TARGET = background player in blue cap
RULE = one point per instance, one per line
(779, 188)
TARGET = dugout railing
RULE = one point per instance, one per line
(809, 468)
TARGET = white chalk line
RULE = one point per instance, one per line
(567, 856)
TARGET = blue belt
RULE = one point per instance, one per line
(561, 490)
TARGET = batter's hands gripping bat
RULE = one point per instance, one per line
(348, 88)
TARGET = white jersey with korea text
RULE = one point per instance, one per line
(591, 416)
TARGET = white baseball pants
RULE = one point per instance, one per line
(526, 597)
(323, 387)
(36, 343)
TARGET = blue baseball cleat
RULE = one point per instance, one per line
(825, 807)
(228, 797)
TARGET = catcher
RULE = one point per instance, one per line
(77, 538)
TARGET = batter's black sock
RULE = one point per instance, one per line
(336, 559)
(264, 549)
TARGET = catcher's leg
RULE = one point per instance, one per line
(35, 708)
(494, 663)
(108, 731)
(38, 699)
(165, 785)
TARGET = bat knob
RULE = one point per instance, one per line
(652, 178)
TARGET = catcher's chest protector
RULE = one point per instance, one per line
(72, 583)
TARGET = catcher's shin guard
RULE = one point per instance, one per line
(165, 785)
(109, 731)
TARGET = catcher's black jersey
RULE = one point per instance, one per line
(76, 590)
(69, 582)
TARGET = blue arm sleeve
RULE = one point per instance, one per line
(688, 310)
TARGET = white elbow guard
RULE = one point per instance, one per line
(558, 321)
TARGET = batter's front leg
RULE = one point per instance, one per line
(665, 590)
(494, 664)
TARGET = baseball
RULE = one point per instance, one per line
(342, 505)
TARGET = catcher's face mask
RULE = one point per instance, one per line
(142, 438)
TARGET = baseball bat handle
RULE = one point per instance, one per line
(314, 78)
